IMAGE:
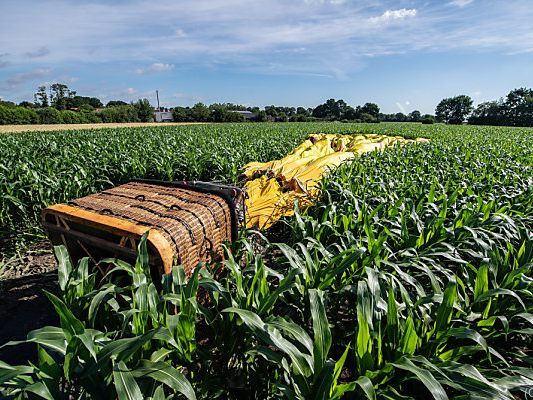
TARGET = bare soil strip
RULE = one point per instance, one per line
(66, 127)
(24, 308)
(23, 304)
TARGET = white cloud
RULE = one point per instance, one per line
(391, 15)
(131, 90)
(461, 3)
(330, 38)
(155, 68)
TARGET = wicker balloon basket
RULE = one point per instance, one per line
(187, 222)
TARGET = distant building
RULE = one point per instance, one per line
(163, 116)
(246, 114)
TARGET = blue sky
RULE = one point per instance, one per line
(403, 55)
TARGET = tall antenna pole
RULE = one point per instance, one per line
(157, 95)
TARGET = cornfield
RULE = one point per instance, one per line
(410, 278)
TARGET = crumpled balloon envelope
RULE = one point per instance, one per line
(274, 186)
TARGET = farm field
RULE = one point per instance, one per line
(411, 277)
(69, 127)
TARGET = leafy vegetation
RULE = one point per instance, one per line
(410, 278)
(140, 111)
(37, 169)
(515, 110)
(454, 110)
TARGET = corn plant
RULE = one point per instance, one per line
(410, 278)
(123, 358)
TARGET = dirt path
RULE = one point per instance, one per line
(23, 305)
(64, 127)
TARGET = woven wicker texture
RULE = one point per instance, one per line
(194, 223)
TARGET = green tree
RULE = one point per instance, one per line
(145, 111)
(518, 107)
(233, 116)
(78, 101)
(303, 111)
(365, 117)
(414, 116)
(88, 115)
(127, 113)
(282, 117)
(337, 109)
(27, 104)
(114, 103)
(332, 110)
(488, 113)
(271, 111)
(454, 110)
(41, 97)
(182, 114)
(351, 114)
(370, 108)
(60, 95)
(219, 112)
(200, 113)
(427, 119)
(261, 116)
(400, 117)
(71, 117)
(5, 115)
(49, 115)
(17, 115)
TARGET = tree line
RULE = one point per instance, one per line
(59, 104)
(331, 110)
(516, 109)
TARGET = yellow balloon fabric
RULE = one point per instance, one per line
(274, 186)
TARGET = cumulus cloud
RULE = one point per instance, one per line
(461, 3)
(330, 38)
(155, 68)
(40, 52)
(391, 15)
(247, 34)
